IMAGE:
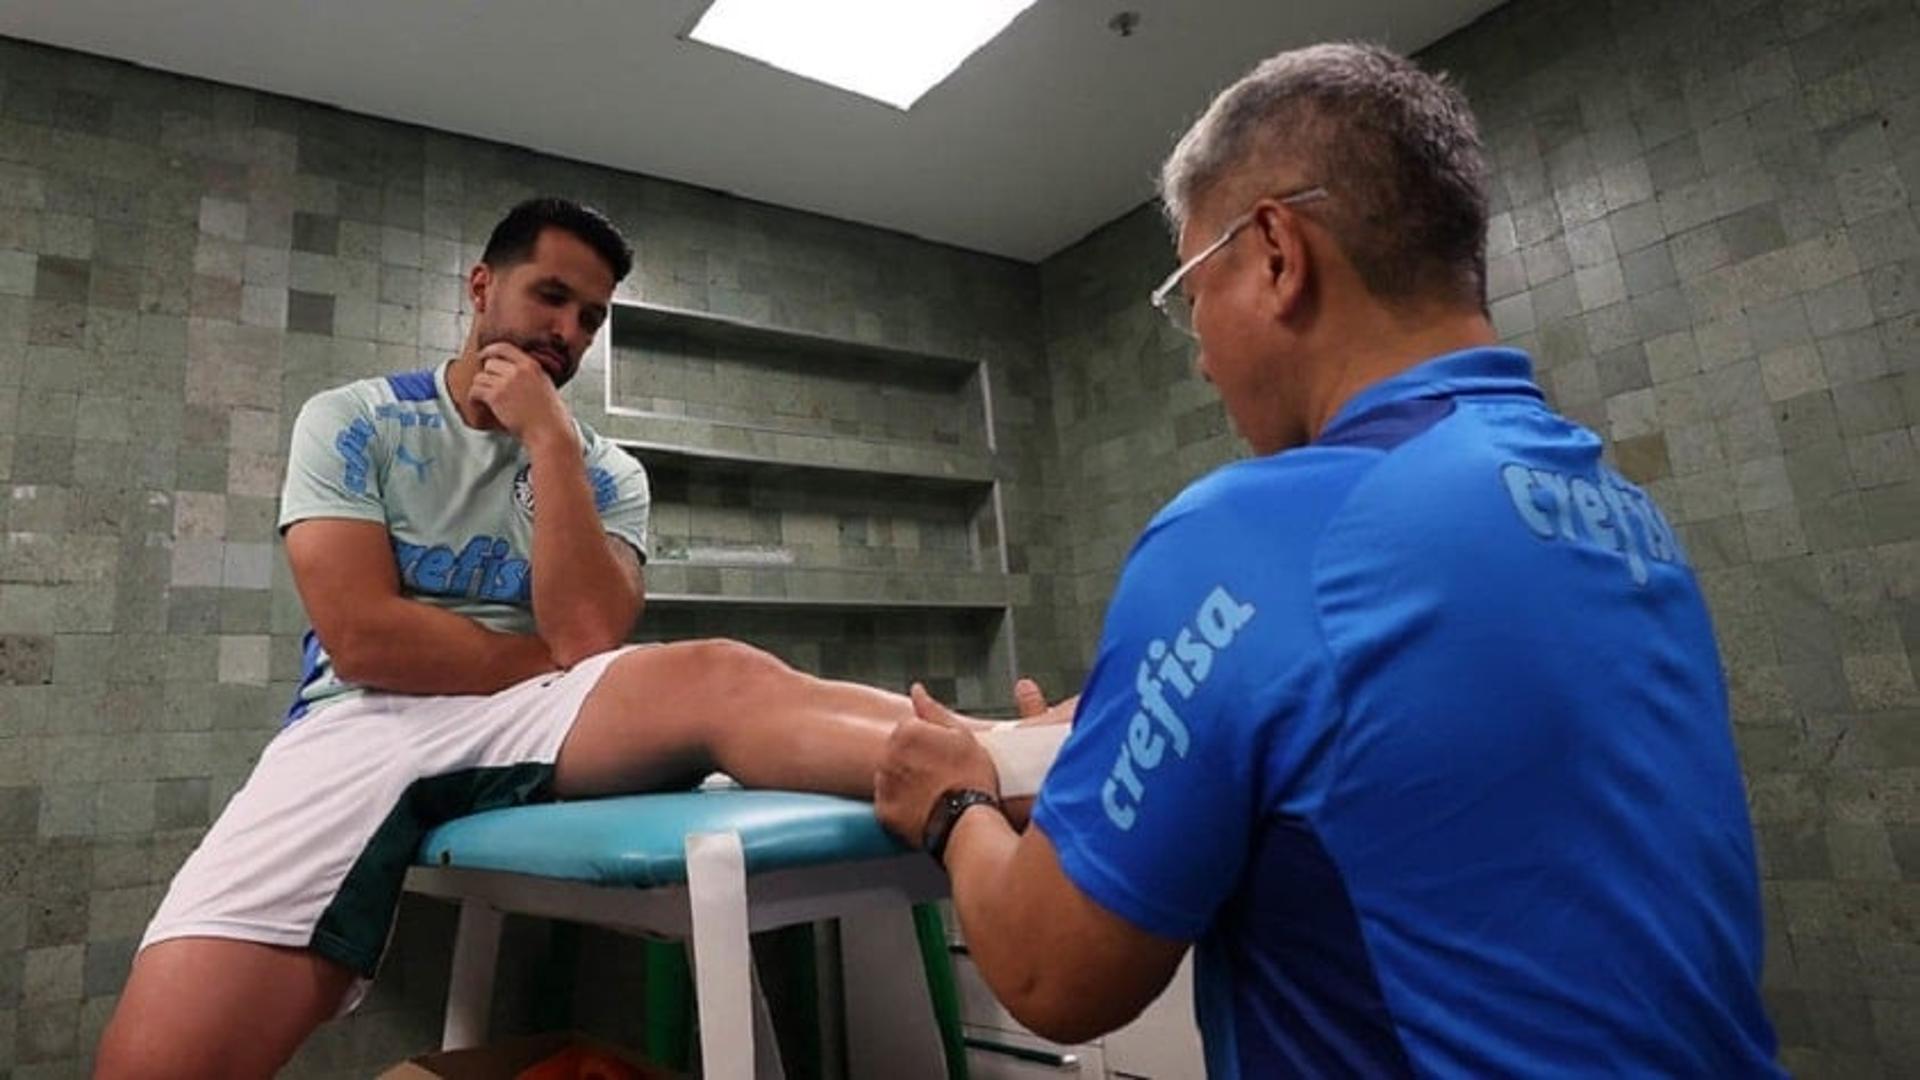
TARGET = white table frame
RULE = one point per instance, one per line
(891, 1028)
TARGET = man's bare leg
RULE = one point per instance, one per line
(659, 717)
(213, 1008)
(670, 714)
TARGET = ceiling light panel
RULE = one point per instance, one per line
(889, 50)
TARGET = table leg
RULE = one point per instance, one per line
(891, 1028)
(476, 951)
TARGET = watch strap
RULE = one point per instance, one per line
(946, 814)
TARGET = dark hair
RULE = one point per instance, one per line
(513, 239)
(1397, 148)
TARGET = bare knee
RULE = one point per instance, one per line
(738, 662)
(718, 671)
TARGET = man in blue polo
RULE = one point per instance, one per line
(1413, 724)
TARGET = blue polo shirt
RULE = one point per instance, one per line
(1420, 732)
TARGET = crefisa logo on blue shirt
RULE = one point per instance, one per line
(486, 568)
(1156, 725)
(1612, 515)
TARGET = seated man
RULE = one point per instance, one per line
(1414, 724)
(470, 559)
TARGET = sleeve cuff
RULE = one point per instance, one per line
(294, 515)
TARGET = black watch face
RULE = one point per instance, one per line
(947, 813)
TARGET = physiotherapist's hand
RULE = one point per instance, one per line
(927, 757)
(518, 393)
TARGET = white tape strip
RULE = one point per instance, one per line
(1023, 754)
(722, 960)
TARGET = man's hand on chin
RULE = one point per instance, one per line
(519, 392)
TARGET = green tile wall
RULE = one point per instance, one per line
(1704, 230)
(181, 266)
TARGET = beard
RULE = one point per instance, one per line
(542, 349)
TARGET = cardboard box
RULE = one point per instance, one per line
(575, 1057)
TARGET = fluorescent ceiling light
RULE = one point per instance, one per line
(889, 50)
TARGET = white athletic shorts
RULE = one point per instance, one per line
(312, 852)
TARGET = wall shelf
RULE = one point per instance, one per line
(631, 318)
(800, 454)
(834, 501)
(821, 604)
(759, 586)
(723, 386)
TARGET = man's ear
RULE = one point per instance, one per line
(479, 283)
(1289, 261)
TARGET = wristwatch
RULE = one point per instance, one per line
(946, 812)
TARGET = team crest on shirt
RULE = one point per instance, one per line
(523, 489)
(605, 488)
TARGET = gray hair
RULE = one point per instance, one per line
(1397, 148)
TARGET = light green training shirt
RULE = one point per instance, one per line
(457, 502)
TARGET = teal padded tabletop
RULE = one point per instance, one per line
(640, 840)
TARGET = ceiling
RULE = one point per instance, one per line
(1052, 129)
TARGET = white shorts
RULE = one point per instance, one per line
(312, 852)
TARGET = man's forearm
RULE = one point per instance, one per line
(408, 647)
(1048, 954)
(582, 597)
(979, 857)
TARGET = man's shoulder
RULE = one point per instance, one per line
(606, 455)
(1252, 527)
(410, 398)
(1303, 484)
(592, 440)
(360, 395)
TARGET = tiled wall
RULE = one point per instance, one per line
(922, 530)
(1705, 232)
(944, 650)
(767, 389)
(1135, 423)
(841, 539)
(816, 519)
(181, 266)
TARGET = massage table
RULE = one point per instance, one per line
(708, 868)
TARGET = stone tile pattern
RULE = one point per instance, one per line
(889, 649)
(765, 389)
(1705, 233)
(814, 519)
(181, 265)
(1135, 423)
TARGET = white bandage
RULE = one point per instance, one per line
(1022, 754)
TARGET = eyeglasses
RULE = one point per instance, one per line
(1174, 304)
